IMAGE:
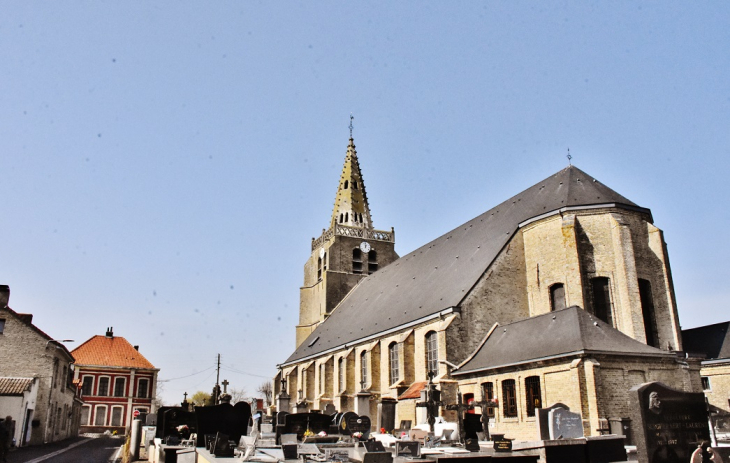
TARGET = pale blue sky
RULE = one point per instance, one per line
(164, 165)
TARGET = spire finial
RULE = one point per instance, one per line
(569, 157)
(351, 119)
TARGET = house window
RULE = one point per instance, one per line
(372, 261)
(2, 325)
(432, 352)
(509, 399)
(119, 386)
(85, 415)
(356, 261)
(488, 389)
(142, 387)
(100, 417)
(647, 309)
(557, 297)
(706, 383)
(341, 373)
(393, 356)
(103, 390)
(533, 398)
(602, 299)
(116, 416)
(87, 386)
(364, 368)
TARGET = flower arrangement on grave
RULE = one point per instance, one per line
(183, 430)
(308, 432)
(357, 435)
(322, 434)
(382, 430)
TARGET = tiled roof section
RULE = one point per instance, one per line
(711, 340)
(440, 274)
(14, 386)
(554, 334)
(413, 392)
(114, 351)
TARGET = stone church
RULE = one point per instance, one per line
(562, 293)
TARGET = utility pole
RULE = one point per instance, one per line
(217, 388)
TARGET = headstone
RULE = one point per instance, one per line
(221, 446)
(342, 423)
(386, 414)
(299, 423)
(543, 428)
(408, 449)
(373, 446)
(565, 424)
(170, 418)
(472, 425)
(668, 424)
(330, 409)
(225, 419)
(151, 419)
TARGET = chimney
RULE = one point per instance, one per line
(4, 296)
(110, 332)
(136, 348)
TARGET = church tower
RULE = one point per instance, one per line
(349, 250)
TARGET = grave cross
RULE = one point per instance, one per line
(460, 408)
(185, 397)
(485, 404)
(225, 384)
(432, 403)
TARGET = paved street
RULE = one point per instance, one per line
(78, 450)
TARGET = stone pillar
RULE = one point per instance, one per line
(282, 402)
(386, 413)
(630, 316)
(362, 403)
(573, 281)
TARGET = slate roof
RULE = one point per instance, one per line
(440, 274)
(110, 351)
(14, 386)
(555, 334)
(711, 340)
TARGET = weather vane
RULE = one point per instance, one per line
(351, 119)
(569, 157)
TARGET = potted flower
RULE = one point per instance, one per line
(184, 431)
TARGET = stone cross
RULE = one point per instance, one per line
(432, 403)
(185, 397)
(225, 384)
(485, 405)
(460, 408)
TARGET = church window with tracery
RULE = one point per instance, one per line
(364, 367)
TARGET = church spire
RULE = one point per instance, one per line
(351, 202)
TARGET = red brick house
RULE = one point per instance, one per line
(115, 380)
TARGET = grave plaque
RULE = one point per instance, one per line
(408, 449)
(373, 446)
(669, 424)
(565, 424)
(501, 444)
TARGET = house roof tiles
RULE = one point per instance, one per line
(15, 386)
(110, 351)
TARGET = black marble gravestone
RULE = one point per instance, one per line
(668, 424)
(359, 424)
(225, 418)
(221, 446)
(168, 420)
(472, 425)
(299, 423)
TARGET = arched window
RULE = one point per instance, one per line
(347, 218)
(360, 217)
(100, 415)
(356, 261)
(372, 261)
(533, 397)
(341, 217)
(488, 389)
(354, 184)
(341, 373)
(364, 368)
(394, 362)
(557, 297)
(345, 184)
(322, 377)
(648, 312)
(509, 400)
(432, 352)
(602, 299)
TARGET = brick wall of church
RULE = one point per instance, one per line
(719, 378)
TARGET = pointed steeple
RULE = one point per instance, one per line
(351, 202)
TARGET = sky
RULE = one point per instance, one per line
(164, 165)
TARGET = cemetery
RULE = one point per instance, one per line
(672, 426)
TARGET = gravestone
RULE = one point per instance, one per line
(359, 424)
(543, 428)
(668, 424)
(472, 425)
(342, 424)
(299, 423)
(221, 446)
(169, 418)
(565, 424)
(501, 444)
(373, 446)
(386, 414)
(225, 418)
(408, 449)
(330, 409)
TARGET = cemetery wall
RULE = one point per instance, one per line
(620, 245)
(719, 377)
(500, 295)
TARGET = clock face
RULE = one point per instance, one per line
(364, 247)
(321, 253)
